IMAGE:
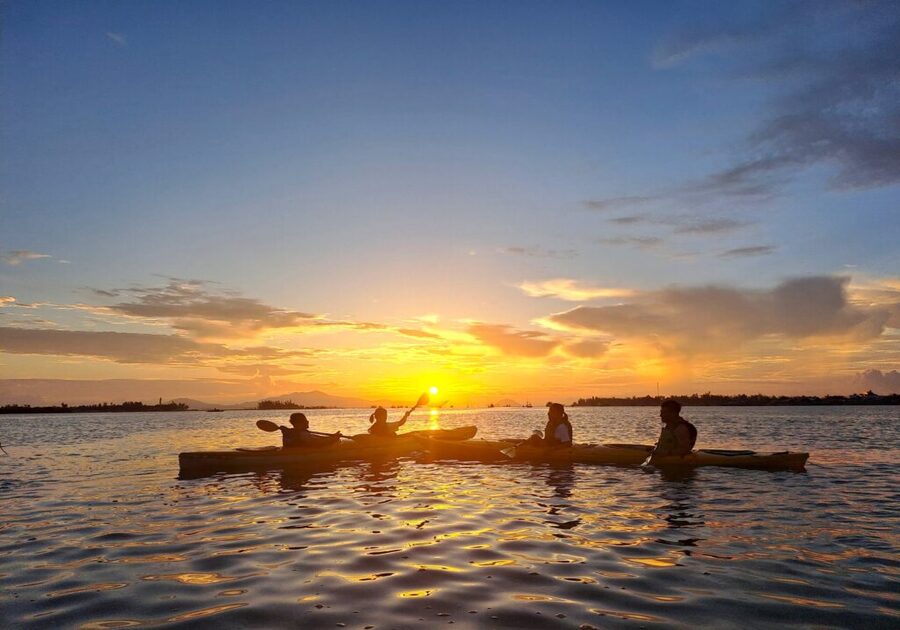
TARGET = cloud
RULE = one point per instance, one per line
(118, 38)
(641, 242)
(616, 203)
(128, 347)
(712, 318)
(188, 306)
(569, 289)
(6, 299)
(628, 220)
(835, 74)
(753, 250)
(878, 381)
(513, 342)
(18, 256)
(587, 348)
(539, 252)
(709, 226)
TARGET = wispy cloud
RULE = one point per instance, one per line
(839, 106)
(127, 347)
(18, 256)
(641, 242)
(752, 250)
(538, 252)
(708, 226)
(118, 38)
(617, 203)
(571, 290)
(192, 307)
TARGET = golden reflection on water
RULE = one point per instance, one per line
(191, 578)
(416, 593)
(205, 612)
(580, 542)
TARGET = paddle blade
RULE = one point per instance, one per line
(423, 400)
(509, 452)
(267, 425)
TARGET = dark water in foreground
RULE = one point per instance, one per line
(98, 532)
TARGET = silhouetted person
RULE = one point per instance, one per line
(677, 436)
(557, 433)
(301, 437)
(381, 427)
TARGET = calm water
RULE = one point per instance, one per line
(98, 532)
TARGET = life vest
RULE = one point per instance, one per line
(550, 436)
(667, 440)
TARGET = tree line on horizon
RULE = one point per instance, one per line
(102, 407)
(740, 400)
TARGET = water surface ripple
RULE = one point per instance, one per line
(98, 531)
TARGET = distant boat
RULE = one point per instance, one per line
(528, 404)
(213, 410)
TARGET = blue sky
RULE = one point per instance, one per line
(376, 162)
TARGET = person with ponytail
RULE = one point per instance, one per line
(557, 433)
(381, 427)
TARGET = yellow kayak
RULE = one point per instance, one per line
(363, 447)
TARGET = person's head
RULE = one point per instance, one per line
(669, 410)
(555, 411)
(379, 415)
(299, 421)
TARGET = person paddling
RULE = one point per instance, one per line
(301, 437)
(381, 427)
(557, 433)
(677, 436)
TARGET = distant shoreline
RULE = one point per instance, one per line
(743, 400)
(127, 408)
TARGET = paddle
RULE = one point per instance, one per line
(271, 427)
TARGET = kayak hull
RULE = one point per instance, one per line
(614, 454)
(504, 451)
(784, 460)
(361, 448)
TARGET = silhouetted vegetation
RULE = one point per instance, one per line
(741, 400)
(95, 408)
(266, 405)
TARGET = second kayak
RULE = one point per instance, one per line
(618, 454)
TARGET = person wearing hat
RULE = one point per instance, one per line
(299, 435)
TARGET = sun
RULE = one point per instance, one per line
(433, 390)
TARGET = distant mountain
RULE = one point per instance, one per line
(314, 398)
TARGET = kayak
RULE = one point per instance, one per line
(782, 460)
(617, 454)
(500, 451)
(365, 447)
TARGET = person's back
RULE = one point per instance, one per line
(558, 431)
(677, 436)
(381, 427)
(299, 436)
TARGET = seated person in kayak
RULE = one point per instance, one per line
(557, 433)
(301, 437)
(677, 436)
(381, 427)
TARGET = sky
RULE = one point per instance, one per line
(508, 200)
